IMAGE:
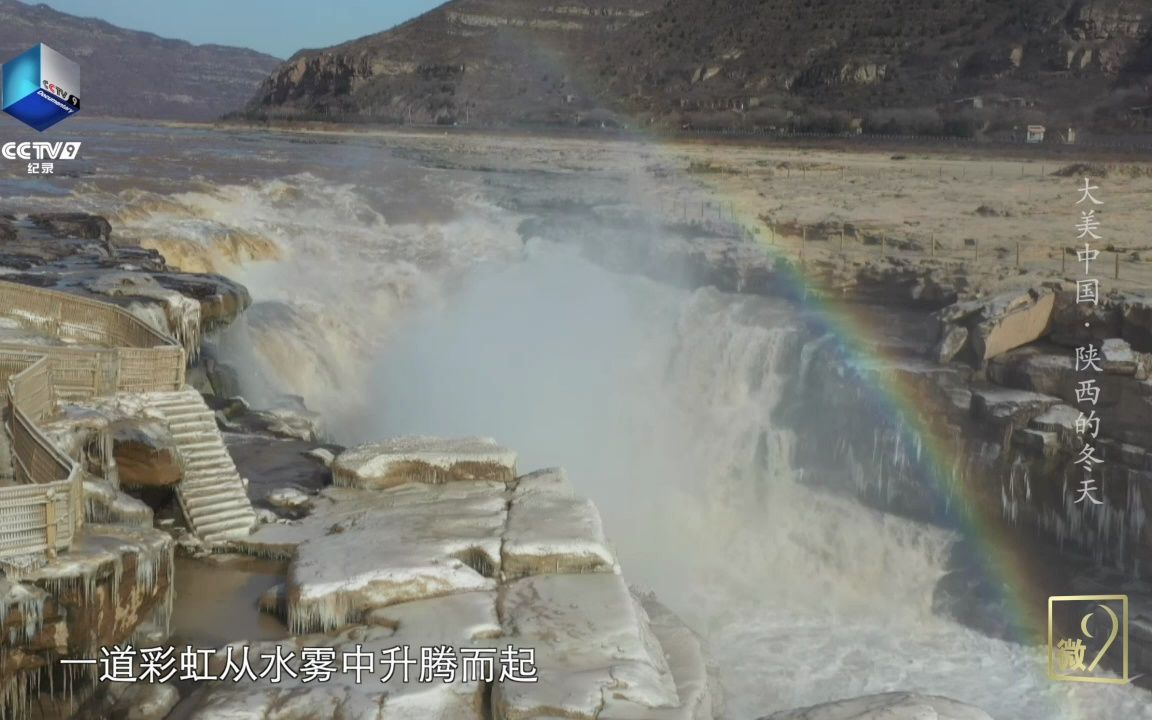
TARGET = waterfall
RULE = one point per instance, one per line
(689, 417)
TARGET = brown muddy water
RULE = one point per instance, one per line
(217, 600)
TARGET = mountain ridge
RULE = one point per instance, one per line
(932, 66)
(133, 73)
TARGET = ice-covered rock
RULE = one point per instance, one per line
(596, 655)
(322, 455)
(699, 696)
(265, 516)
(104, 503)
(465, 620)
(1117, 357)
(288, 498)
(361, 550)
(113, 581)
(888, 706)
(179, 313)
(480, 563)
(1059, 420)
(423, 459)
(549, 480)
(554, 532)
(288, 422)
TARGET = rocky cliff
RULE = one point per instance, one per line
(125, 73)
(975, 62)
(962, 66)
(468, 60)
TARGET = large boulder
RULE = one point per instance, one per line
(888, 706)
(144, 452)
(144, 701)
(141, 464)
(993, 326)
(1010, 321)
(1009, 408)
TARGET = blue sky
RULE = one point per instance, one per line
(277, 27)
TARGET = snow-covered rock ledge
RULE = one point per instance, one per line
(470, 562)
(423, 459)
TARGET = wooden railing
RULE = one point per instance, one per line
(41, 514)
(71, 317)
(39, 519)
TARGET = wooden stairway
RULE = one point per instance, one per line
(211, 493)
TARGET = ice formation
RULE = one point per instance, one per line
(105, 504)
(550, 530)
(28, 601)
(180, 315)
(426, 539)
(98, 557)
(466, 563)
(382, 465)
(596, 655)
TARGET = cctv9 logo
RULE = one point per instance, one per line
(63, 94)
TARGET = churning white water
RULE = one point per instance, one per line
(658, 401)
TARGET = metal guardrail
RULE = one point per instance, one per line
(41, 514)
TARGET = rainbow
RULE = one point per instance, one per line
(998, 556)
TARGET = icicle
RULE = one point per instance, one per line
(184, 319)
(28, 601)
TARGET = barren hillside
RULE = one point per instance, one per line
(914, 65)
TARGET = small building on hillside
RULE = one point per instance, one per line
(1035, 134)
